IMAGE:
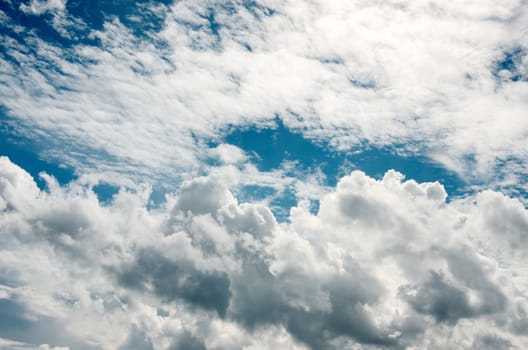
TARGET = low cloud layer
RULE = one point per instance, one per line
(383, 264)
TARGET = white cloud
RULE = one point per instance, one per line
(228, 154)
(398, 72)
(38, 7)
(383, 263)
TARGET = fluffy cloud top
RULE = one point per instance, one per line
(383, 263)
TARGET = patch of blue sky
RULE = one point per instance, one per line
(510, 66)
(26, 153)
(376, 161)
(105, 192)
(158, 195)
(271, 147)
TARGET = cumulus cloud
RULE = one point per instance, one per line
(384, 263)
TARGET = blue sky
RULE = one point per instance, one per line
(263, 174)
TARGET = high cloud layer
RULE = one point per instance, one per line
(383, 264)
(139, 87)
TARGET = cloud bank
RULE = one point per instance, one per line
(383, 264)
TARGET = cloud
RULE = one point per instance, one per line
(188, 341)
(204, 271)
(147, 99)
(228, 154)
(38, 7)
(172, 280)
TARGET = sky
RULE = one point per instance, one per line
(263, 174)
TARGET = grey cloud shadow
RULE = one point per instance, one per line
(257, 302)
(173, 280)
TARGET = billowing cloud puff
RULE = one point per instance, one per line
(384, 263)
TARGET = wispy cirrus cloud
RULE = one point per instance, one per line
(38, 7)
(427, 72)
